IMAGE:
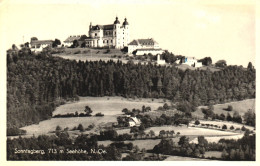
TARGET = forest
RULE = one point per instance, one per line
(37, 84)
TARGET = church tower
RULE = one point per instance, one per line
(125, 33)
(117, 33)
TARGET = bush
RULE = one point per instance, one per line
(224, 127)
(58, 128)
(80, 127)
(99, 114)
(243, 128)
(77, 52)
(197, 122)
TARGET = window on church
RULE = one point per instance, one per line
(95, 34)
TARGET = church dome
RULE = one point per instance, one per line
(116, 21)
(125, 22)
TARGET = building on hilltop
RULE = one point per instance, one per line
(144, 46)
(38, 45)
(191, 61)
(113, 35)
(160, 61)
(69, 41)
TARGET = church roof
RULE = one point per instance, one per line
(116, 21)
(104, 27)
(125, 22)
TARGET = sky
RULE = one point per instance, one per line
(218, 29)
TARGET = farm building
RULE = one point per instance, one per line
(38, 45)
(133, 121)
(191, 61)
(144, 46)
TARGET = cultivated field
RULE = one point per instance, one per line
(240, 106)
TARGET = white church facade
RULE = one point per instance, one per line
(112, 35)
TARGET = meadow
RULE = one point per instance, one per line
(240, 106)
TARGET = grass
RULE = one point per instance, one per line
(185, 67)
(47, 126)
(111, 107)
(179, 158)
(107, 105)
(190, 131)
(240, 106)
(216, 154)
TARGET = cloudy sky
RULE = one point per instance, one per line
(222, 29)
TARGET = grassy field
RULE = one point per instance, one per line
(228, 124)
(216, 154)
(47, 126)
(240, 106)
(190, 131)
(146, 144)
(107, 105)
(111, 107)
(179, 158)
(185, 67)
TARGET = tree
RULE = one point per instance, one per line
(162, 133)
(236, 117)
(206, 61)
(229, 117)
(58, 128)
(221, 63)
(75, 44)
(229, 108)
(197, 122)
(151, 133)
(165, 146)
(88, 110)
(56, 43)
(224, 127)
(250, 66)
(184, 141)
(249, 118)
(80, 127)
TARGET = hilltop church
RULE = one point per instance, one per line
(114, 35)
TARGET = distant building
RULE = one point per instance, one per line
(191, 61)
(144, 46)
(38, 45)
(160, 61)
(69, 41)
(133, 121)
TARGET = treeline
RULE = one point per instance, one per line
(232, 150)
(36, 84)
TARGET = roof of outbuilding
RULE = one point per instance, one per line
(72, 38)
(143, 42)
(36, 42)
